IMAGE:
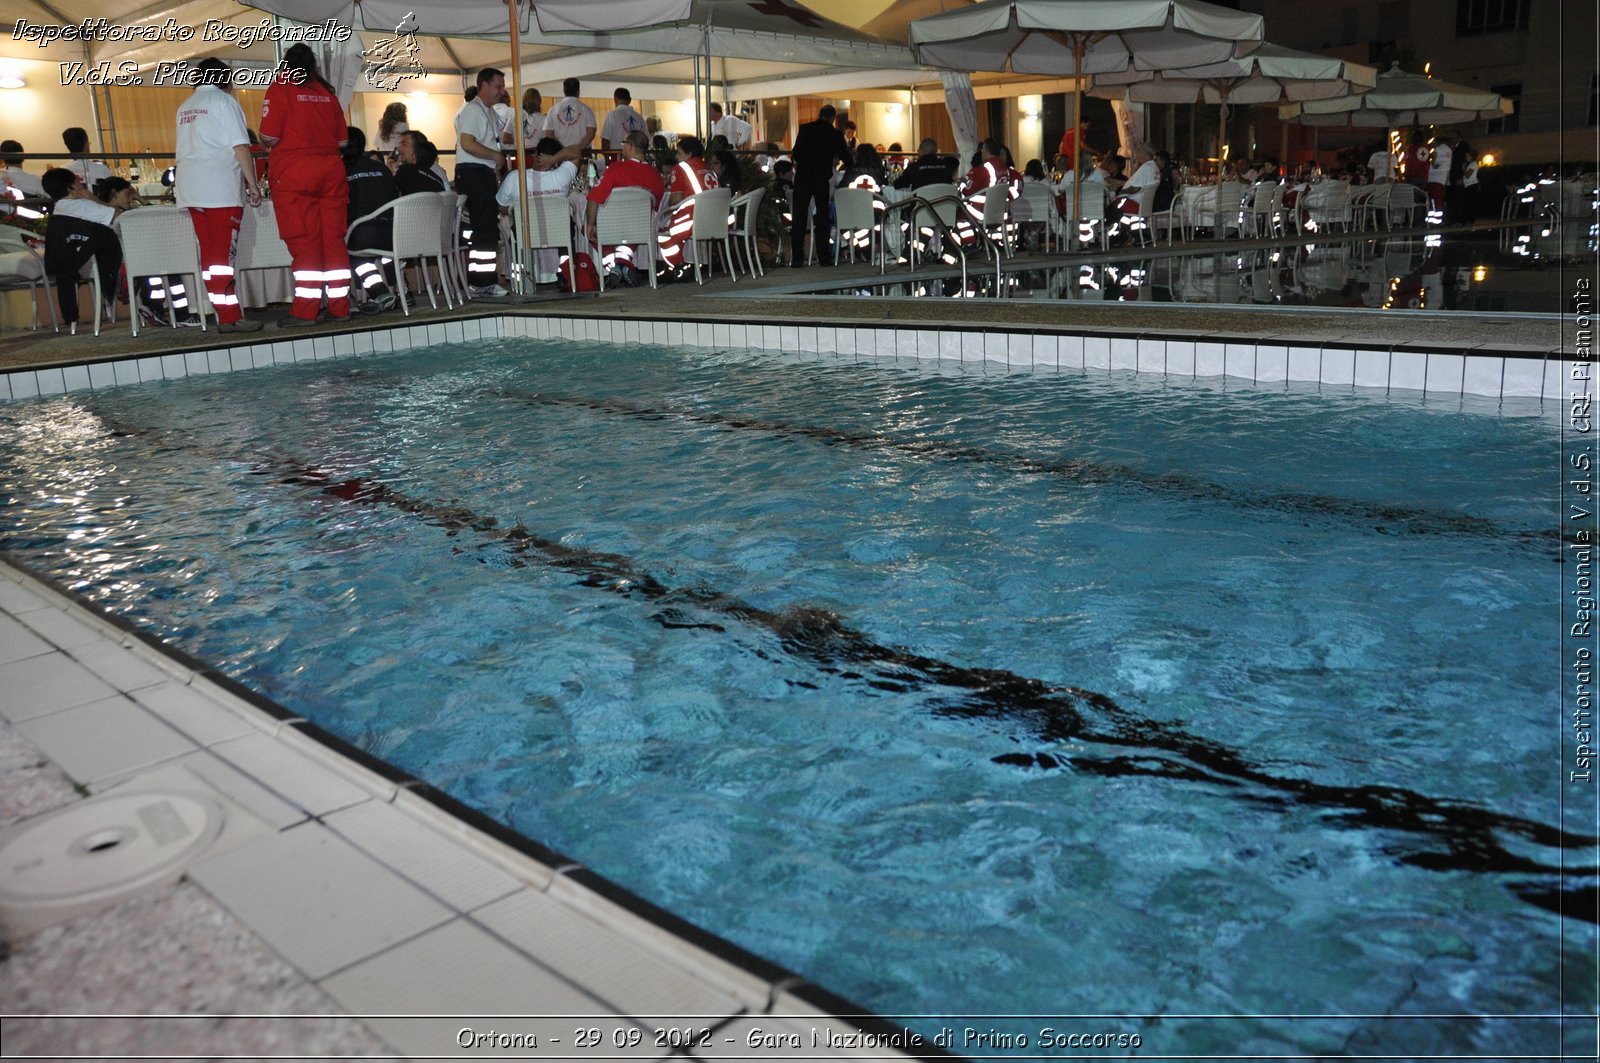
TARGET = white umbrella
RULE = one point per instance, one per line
(1269, 75)
(1083, 37)
(1402, 99)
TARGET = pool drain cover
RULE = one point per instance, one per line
(89, 854)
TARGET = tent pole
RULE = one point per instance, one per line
(1078, 47)
(521, 263)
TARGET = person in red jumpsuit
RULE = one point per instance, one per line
(993, 176)
(689, 178)
(303, 123)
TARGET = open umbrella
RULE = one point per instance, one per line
(1269, 75)
(1402, 99)
(1083, 37)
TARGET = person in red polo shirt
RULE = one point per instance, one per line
(630, 171)
(303, 123)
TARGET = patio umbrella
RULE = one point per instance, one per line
(1269, 75)
(1402, 99)
(1083, 38)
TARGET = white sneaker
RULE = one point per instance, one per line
(488, 291)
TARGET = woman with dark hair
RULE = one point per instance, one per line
(390, 126)
(1168, 184)
(865, 170)
(726, 166)
(302, 122)
(417, 172)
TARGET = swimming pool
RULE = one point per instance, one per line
(963, 693)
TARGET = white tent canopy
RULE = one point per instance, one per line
(1269, 75)
(1402, 99)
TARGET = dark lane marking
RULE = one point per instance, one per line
(1382, 518)
(1459, 836)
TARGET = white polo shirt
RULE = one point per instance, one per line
(1439, 169)
(481, 121)
(89, 171)
(733, 129)
(210, 126)
(87, 209)
(619, 123)
(568, 120)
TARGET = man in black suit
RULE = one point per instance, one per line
(817, 147)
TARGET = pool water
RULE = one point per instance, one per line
(964, 693)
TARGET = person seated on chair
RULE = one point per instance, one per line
(79, 229)
(726, 166)
(866, 171)
(690, 177)
(551, 170)
(983, 180)
(156, 292)
(418, 171)
(371, 186)
(633, 170)
(928, 168)
(1124, 213)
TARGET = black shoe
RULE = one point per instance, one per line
(797, 264)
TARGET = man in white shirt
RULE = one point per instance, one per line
(622, 120)
(88, 170)
(17, 183)
(215, 169)
(571, 121)
(551, 171)
(736, 131)
(1381, 163)
(478, 162)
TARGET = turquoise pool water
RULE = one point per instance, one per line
(964, 693)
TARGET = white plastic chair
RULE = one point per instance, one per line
(1262, 213)
(945, 200)
(416, 231)
(853, 212)
(452, 269)
(1324, 205)
(994, 228)
(628, 216)
(1037, 206)
(711, 227)
(160, 242)
(550, 226)
(22, 266)
(746, 220)
(1176, 216)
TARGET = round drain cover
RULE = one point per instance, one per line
(97, 850)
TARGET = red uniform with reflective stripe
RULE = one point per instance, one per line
(689, 178)
(309, 191)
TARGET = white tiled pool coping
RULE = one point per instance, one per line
(1265, 361)
(414, 913)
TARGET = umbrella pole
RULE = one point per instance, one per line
(1078, 46)
(521, 264)
(1222, 136)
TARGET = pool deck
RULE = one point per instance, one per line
(341, 889)
(336, 888)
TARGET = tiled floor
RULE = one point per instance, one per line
(331, 888)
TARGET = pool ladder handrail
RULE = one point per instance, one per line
(942, 233)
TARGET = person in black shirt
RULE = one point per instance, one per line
(416, 173)
(371, 186)
(928, 168)
(817, 148)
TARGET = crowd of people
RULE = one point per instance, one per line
(327, 175)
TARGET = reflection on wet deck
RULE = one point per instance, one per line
(1512, 270)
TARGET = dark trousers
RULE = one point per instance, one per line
(810, 193)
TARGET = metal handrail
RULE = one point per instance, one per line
(942, 232)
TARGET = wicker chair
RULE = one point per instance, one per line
(417, 231)
(160, 242)
(628, 216)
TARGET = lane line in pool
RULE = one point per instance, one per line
(1386, 519)
(1055, 713)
